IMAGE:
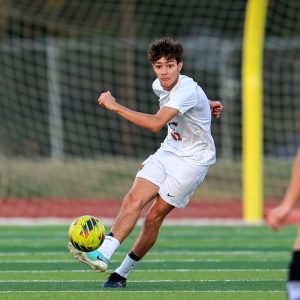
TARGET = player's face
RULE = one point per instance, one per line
(167, 71)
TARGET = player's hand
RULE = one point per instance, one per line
(277, 216)
(216, 108)
(107, 100)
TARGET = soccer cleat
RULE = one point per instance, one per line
(94, 259)
(115, 281)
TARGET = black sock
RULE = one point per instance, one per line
(132, 255)
(110, 234)
(294, 268)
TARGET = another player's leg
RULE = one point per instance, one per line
(147, 238)
(141, 193)
(293, 284)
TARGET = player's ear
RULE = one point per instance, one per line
(180, 65)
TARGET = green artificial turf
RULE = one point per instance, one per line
(196, 262)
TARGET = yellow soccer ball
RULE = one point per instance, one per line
(86, 233)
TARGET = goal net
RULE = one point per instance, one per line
(281, 94)
(56, 57)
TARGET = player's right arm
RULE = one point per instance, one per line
(152, 122)
(277, 216)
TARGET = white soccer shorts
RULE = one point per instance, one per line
(177, 180)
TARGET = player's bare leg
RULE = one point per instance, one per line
(153, 220)
(141, 193)
(147, 238)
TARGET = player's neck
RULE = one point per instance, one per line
(170, 87)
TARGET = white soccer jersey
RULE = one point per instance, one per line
(189, 135)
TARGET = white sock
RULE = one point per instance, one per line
(126, 266)
(293, 288)
(109, 246)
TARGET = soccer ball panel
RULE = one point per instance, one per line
(86, 233)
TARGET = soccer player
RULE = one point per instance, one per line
(277, 218)
(170, 176)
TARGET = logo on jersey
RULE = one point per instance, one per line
(175, 135)
(170, 195)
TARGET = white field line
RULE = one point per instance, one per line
(141, 281)
(162, 253)
(146, 292)
(148, 261)
(109, 221)
(150, 271)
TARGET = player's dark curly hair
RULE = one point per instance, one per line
(167, 48)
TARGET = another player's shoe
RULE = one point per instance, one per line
(94, 259)
(115, 281)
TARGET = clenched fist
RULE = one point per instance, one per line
(107, 100)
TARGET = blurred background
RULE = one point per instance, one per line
(56, 56)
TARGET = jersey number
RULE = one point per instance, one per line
(175, 135)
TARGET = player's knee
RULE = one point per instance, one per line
(131, 202)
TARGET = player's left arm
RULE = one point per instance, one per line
(152, 122)
(216, 108)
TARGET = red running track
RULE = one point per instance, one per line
(108, 208)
